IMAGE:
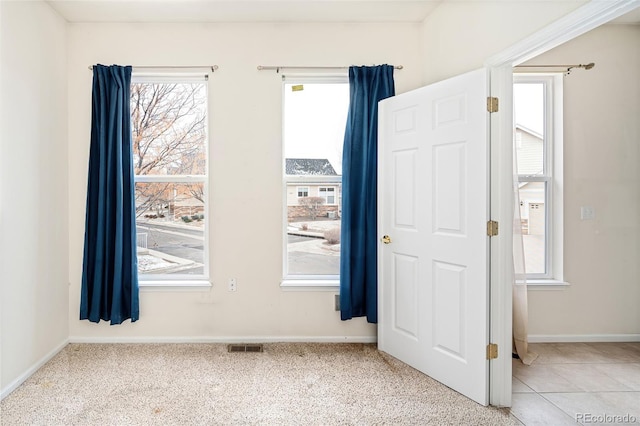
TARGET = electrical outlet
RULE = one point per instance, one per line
(336, 302)
(587, 213)
(233, 284)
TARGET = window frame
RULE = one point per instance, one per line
(182, 281)
(552, 177)
(305, 282)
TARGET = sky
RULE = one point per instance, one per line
(315, 118)
(314, 121)
(528, 105)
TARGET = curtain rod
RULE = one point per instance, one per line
(567, 67)
(277, 68)
(213, 68)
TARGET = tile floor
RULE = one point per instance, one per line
(578, 383)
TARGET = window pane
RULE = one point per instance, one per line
(314, 123)
(533, 216)
(315, 117)
(168, 122)
(170, 221)
(528, 104)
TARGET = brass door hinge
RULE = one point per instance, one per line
(492, 228)
(492, 104)
(492, 351)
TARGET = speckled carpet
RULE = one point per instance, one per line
(203, 384)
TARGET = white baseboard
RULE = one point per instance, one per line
(586, 338)
(226, 339)
(23, 377)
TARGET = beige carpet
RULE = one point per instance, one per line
(203, 384)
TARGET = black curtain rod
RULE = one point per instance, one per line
(213, 68)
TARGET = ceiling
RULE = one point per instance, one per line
(244, 10)
(257, 10)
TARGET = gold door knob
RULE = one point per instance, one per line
(386, 239)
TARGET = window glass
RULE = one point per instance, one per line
(529, 109)
(170, 165)
(315, 115)
(534, 221)
(535, 123)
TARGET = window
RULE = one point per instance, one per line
(538, 146)
(314, 120)
(303, 192)
(328, 194)
(169, 129)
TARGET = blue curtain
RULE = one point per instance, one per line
(358, 250)
(110, 269)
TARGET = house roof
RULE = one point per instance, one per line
(528, 130)
(309, 166)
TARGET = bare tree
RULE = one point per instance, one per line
(169, 133)
(168, 128)
(312, 204)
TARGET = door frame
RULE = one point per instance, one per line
(576, 23)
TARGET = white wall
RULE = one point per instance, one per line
(33, 188)
(601, 170)
(459, 36)
(246, 165)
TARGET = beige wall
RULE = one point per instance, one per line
(33, 188)
(459, 36)
(246, 165)
(601, 170)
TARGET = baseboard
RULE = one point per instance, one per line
(585, 338)
(23, 377)
(226, 339)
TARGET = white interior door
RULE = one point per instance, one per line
(433, 205)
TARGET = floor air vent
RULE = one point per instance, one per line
(254, 347)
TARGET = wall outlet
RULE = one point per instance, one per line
(233, 284)
(336, 302)
(587, 213)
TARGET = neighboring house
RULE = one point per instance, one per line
(168, 201)
(529, 145)
(312, 177)
(172, 200)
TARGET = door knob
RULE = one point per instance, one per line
(386, 239)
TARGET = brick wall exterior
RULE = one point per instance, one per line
(294, 212)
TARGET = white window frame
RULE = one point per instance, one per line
(181, 281)
(552, 177)
(307, 282)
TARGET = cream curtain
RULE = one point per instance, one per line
(520, 304)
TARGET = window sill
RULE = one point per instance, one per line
(549, 284)
(310, 285)
(178, 285)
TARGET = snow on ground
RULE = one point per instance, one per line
(147, 262)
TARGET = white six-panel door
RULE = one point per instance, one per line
(433, 205)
